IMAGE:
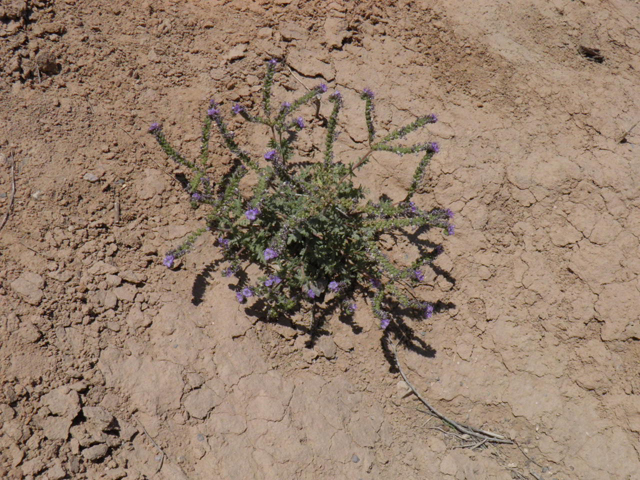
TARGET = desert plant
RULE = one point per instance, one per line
(308, 227)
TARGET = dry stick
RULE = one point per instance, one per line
(316, 101)
(474, 432)
(623, 138)
(116, 211)
(163, 455)
(13, 195)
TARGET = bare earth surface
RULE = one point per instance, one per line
(113, 366)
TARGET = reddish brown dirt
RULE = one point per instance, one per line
(105, 360)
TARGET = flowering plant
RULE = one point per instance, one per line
(308, 227)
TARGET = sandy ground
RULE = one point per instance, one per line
(114, 367)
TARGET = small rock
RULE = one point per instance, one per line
(95, 453)
(306, 62)
(63, 402)
(56, 472)
(63, 276)
(90, 177)
(448, 465)
(15, 454)
(29, 333)
(343, 341)
(10, 394)
(291, 31)
(327, 347)
(113, 326)
(110, 300)
(265, 32)
(100, 417)
(47, 63)
(56, 428)
(200, 402)
(136, 318)
(309, 355)
(236, 53)
(127, 432)
(126, 293)
(29, 286)
(74, 464)
(116, 474)
(132, 277)
(335, 32)
(113, 280)
(102, 268)
(6, 412)
(355, 458)
(33, 466)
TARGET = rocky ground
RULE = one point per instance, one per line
(114, 367)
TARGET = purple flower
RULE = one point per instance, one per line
(272, 280)
(270, 253)
(419, 275)
(271, 155)
(155, 127)
(428, 312)
(412, 207)
(353, 307)
(273, 62)
(240, 297)
(384, 322)
(311, 293)
(285, 106)
(376, 283)
(322, 87)
(451, 229)
(368, 93)
(227, 272)
(252, 213)
(168, 261)
(434, 118)
(449, 212)
(300, 122)
(334, 286)
(434, 147)
(438, 250)
(223, 242)
(237, 108)
(247, 292)
(336, 95)
(196, 197)
(213, 112)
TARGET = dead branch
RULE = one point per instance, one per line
(482, 435)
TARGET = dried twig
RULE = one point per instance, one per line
(296, 77)
(623, 138)
(162, 454)
(13, 195)
(487, 437)
(116, 209)
(536, 476)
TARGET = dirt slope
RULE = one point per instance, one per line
(113, 366)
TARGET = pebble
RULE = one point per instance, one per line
(99, 417)
(90, 177)
(95, 453)
(29, 286)
(113, 280)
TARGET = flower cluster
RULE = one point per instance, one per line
(307, 225)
